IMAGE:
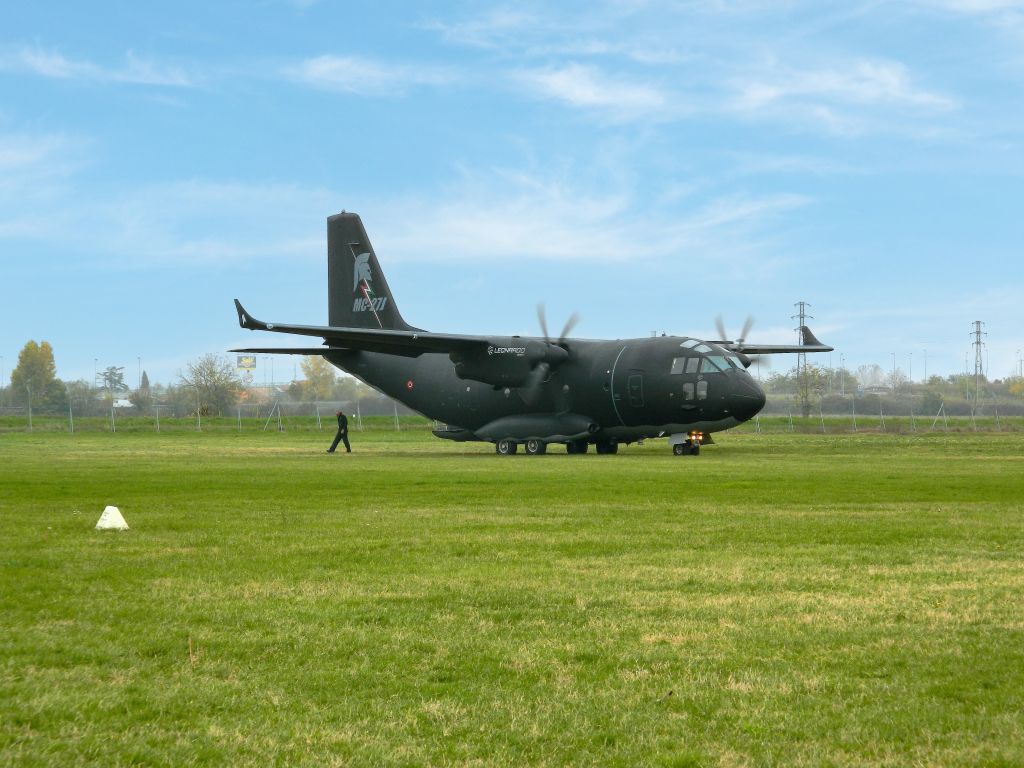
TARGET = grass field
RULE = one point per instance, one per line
(779, 600)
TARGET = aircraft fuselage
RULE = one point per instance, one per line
(626, 389)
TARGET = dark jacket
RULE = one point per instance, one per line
(342, 423)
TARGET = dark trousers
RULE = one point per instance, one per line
(339, 438)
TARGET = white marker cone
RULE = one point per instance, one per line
(111, 520)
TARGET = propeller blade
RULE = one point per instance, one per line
(530, 392)
(542, 319)
(720, 327)
(574, 318)
(747, 325)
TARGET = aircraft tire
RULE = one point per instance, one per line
(505, 447)
(536, 447)
(695, 450)
(679, 449)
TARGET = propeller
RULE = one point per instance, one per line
(571, 323)
(737, 345)
(531, 389)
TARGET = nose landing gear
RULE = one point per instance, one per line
(690, 446)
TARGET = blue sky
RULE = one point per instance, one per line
(648, 164)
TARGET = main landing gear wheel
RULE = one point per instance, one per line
(505, 447)
(607, 446)
(686, 449)
(577, 446)
(536, 447)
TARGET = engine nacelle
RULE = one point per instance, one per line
(507, 361)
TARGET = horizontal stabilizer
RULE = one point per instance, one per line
(289, 350)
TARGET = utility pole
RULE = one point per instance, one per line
(802, 384)
(893, 371)
(979, 360)
(842, 376)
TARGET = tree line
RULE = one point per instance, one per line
(208, 386)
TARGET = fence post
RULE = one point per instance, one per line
(71, 418)
(853, 409)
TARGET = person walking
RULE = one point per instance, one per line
(342, 434)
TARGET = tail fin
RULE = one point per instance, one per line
(357, 292)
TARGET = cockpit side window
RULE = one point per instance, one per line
(714, 364)
(692, 364)
(678, 364)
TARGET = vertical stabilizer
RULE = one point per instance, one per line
(357, 292)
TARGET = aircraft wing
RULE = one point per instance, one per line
(406, 343)
(809, 343)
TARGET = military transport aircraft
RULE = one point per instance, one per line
(529, 391)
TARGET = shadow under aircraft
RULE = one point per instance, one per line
(523, 390)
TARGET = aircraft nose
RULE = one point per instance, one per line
(746, 399)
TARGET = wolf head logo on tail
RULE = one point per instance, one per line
(361, 271)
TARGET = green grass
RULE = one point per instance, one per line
(779, 600)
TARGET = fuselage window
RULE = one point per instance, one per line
(692, 364)
(702, 390)
(678, 364)
(688, 390)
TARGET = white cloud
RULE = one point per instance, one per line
(589, 88)
(513, 215)
(862, 82)
(136, 70)
(35, 167)
(353, 74)
(497, 29)
(865, 95)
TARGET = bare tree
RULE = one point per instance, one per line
(215, 383)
